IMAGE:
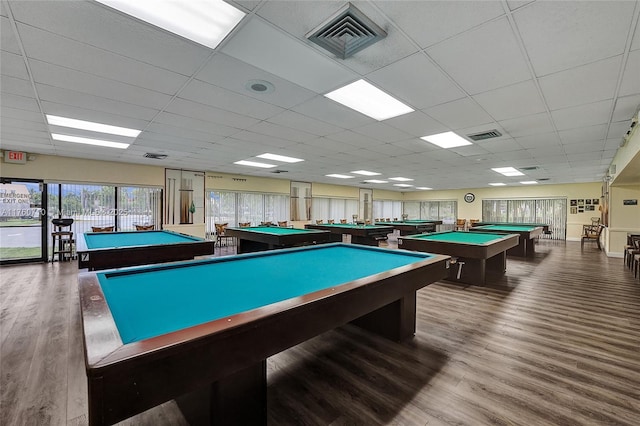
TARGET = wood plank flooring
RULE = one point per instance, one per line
(556, 341)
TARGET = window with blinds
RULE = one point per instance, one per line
(551, 211)
(387, 209)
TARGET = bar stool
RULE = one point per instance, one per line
(62, 238)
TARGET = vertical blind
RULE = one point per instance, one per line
(551, 211)
(387, 209)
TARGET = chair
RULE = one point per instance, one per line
(331, 221)
(591, 233)
(343, 221)
(388, 219)
(282, 223)
(266, 223)
(461, 224)
(102, 229)
(145, 227)
(319, 222)
(630, 252)
(220, 234)
(473, 222)
(63, 241)
(367, 222)
(595, 221)
(244, 224)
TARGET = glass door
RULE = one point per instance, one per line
(22, 230)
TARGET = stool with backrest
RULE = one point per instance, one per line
(102, 228)
(461, 224)
(221, 236)
(244, 224)
(145, 227)
(63, 241)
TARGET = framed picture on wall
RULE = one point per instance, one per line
(574, 202)
(574, 210)
(587, 201)
(580, 209)
(596, 201)
(580, 202)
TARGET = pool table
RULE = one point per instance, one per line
(369, 235)
(413, 226)
(476, 253)
(105, 250)
(528, 233)
(545, 226)
(200, 331)
(259, 238)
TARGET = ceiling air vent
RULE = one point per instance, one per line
(155, 156)
(279, 171)
(347, 32)
(528, 169)
(542, 179)
(485, 135)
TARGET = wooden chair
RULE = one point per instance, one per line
(367, 222)
(591, 233)
(244, 224)
(343, 221)
(388, 219)
(145, 227)
(473, 222)
(282, 223)
(630, 252)
(266, 223)
(102, 228)
(319, 222)
(331, 221)
(461, 224)
(221, 229)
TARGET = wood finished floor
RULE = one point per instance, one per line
(554, 342)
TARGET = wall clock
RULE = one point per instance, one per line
(469, 197)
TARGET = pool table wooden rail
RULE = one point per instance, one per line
(226, 358)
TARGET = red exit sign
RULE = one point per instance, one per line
(18, 157)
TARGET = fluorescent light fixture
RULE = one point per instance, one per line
(254, 164)
(339, 176)
(424, 188)
(508, 171)
(205, 22)
(529, 182)
(404, 185)
(366, 173)
(88, 141)
(401, 179)
(446, 140)
(376, 181)
(55, 120)
(498, 184)
(369, 100)
(276, 157)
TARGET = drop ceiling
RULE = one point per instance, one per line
(559, 80)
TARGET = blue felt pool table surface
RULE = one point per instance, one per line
(101, 240)
(196, 292)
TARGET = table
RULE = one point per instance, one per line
(477, 253)
(545, 226)
(369, 235)
(104, 250)
(259, 238)
(414, 226)
(204, 328)
(528, 233)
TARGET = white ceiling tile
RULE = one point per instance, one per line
(50, 94)
(415, 145)
(460, 113)
(263, 140)
(281, 132)
(187, 122)
(416, 81)
(56, 50)
(382, 132)
(13, 65)
(301, 122)
(172, 132)
(567, 88)
(501, 145)
(631, 77)
(581, 134)
(16, 86)
(564, 34)
(8, 40)
(354, 138)
(431, 22)
(539, 140)
(21, 114)
(28, 103)
(583, 115)
(67, 78)
(626, 107)
(211, 95)
(583, 147)
(483, 59)
(202, 112)
(513, 101)
(417, 124)
(618, 129)
(72, 111)
(265, 47)
(324, 109)
(529, 125)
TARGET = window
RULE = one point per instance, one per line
(334, 208)
(551, 211)
(387, 209)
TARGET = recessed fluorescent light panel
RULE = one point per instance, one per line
(498, 184)
(282, 158)
(446, 140)
(366, 173)
(424, 188)
(401, 179)
(204, 21)
(529, 182)
(404, 185)
(88, 141)
(55, 120)
(508, 171)
(375, 181)
(339, 176)
(369, 100)
(254, 164)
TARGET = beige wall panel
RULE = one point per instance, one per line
(622, 219)
(225, 182)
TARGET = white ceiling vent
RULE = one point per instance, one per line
(347, 32)
(155, 156)
(485, 135)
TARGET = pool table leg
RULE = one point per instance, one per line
(395, 321)
(238, 399)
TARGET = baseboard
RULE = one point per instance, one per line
(615, 254)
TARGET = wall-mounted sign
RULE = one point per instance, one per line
(630, 202)
(17, 157)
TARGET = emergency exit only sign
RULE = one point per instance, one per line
(15, 157)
